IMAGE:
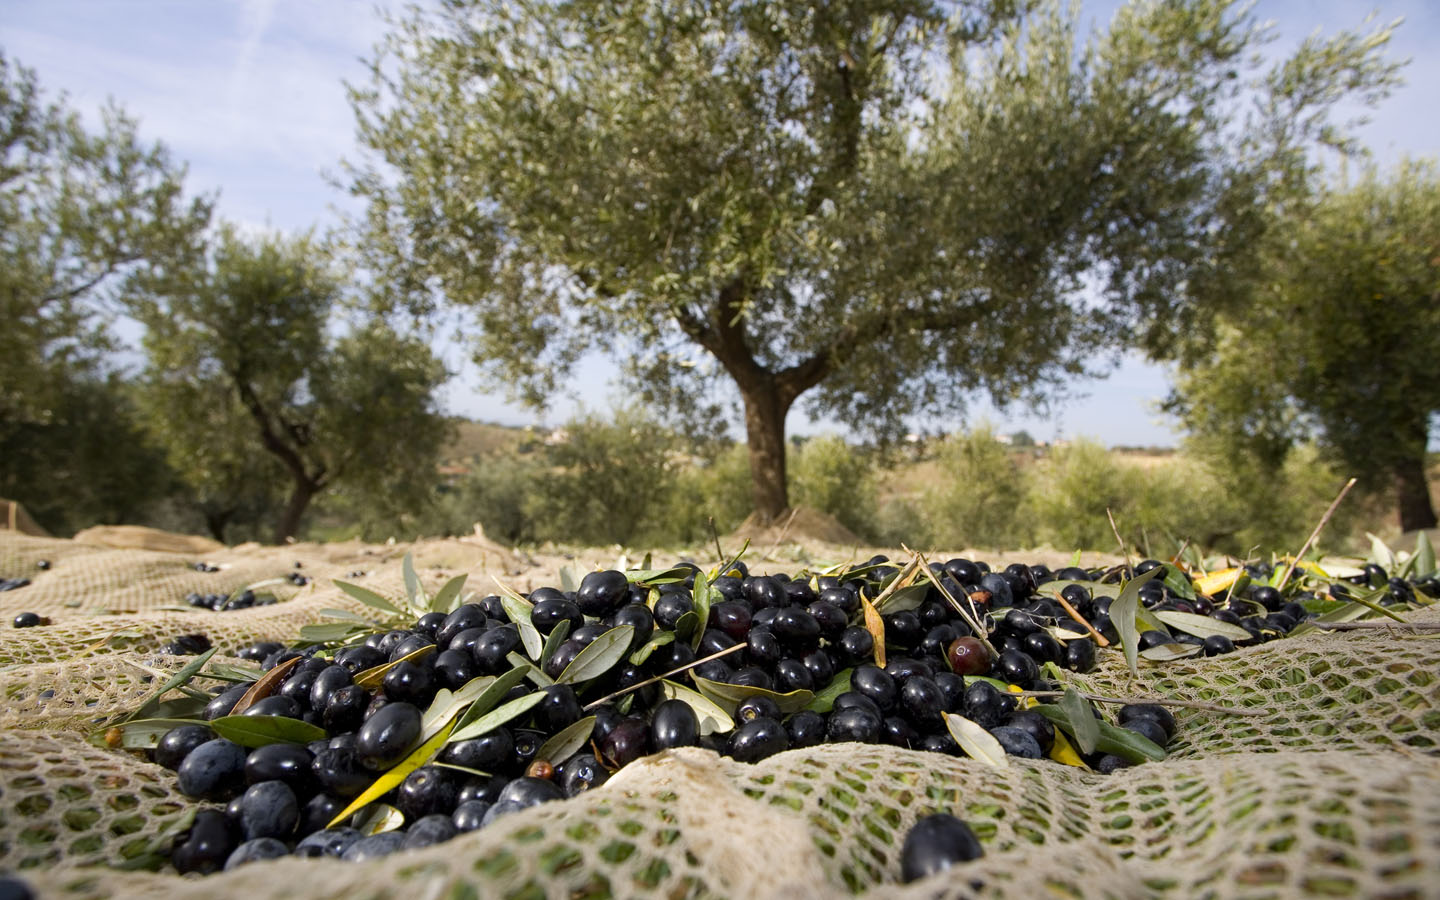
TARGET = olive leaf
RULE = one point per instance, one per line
(392, 778)
(1123, 612)
(186, 673)
(449, 704)
(1167, 652)
(659, 640)
(568, 584)
(1120, 741)
(599, 656)
(554, 639)
(231, 672)
(1380, 552)
(414, 590)
(824, 700)
(532, 671)
(328, 632)
(266, 686)
(654, 578)
(907, 598)
(518, 609)
(688, 626)
(1177, 581)
(1424, 558)
(344, 615)
(876, 626)
(1062, 752)
(447, 599)
(371, 678)
(491, 695)
(720, 572)
(368, 597)
(567, 742)
(700, 598)
(730, 696)
(496, 717)
(378, 819)
(713, 718)
(979, 744)
(258, 731)
(1084, 726)
(139, 734)
(1201, 626)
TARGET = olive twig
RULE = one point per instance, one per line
(1124, 548)
(1324, 520)
(1065, 604)
(1187, 704)
(690, 665)
(972, 617)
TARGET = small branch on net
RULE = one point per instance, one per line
(649, 681)
(1324, 520)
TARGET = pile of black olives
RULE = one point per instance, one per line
(777, 634)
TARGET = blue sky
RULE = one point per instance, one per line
(249, 93)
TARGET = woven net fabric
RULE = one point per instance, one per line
(1331, 791)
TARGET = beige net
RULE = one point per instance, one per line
(1331, 792)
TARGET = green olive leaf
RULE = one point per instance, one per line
(905, 598)
(1178, 581)
(1084, 727)
(712, 717)
(825, 699)
(688, 626)
(1123, 612)
(391, 779)
(979, 744)
(659, 640)
(654, 578)
(186, 673)
(496, 717)
(258, 731)
(1167, 652)
(554, 639)
(1120, 741)
(1201, 626)
(518, 609)
(1424, 558)
(329, 632)
(700, 598)
(368, 597)
(448, 597)
(491, 695)
(568, 582)
(729, 696)
(344, 615)
(567, 742)
(141, 734)
(532, 671)
(414, 590)
(449, 704)
(599, 656)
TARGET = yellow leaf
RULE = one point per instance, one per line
(1215, 582)
(876, 626)
(1062, 752)
(391, 779)
(370, 678)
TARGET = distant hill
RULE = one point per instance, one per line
(476, 440)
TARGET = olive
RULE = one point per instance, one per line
(601, 593)
(346, 710)
(340, 771)
(222, 704)
(486, 753)
(386, 737)
(985, 705)
(1037, 725)
(318, 812)
(429, 790)
(757, 739)
(674, 724)
(327, 682)
(1218, 644)
(859, 645)
(806, 729)
(853, 724)
(289, 763)
(523, 793)
(934, 844)
(178, 742)
(492, 648)
(206, 846)
(268, 809)
(374, 846)
(455, 668)
(792, 675)
(638, 617)
(969, 656)
(875, 683)
(1148, 728)
(550, 611)
(558, 709)
(897, 731)
(470, 815)
(256, 850)
(580, 773)
(1149, 711)
(627, 741)
(764, 592)
(1017, 668)
(464, 618)
(212, 770)
(1080, 655)
(922, 700)
(331, 842)
(903, 629)
(430, 830)
(1017, 742)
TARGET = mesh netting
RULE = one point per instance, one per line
(1331, 792)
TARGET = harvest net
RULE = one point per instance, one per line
(1332, 791)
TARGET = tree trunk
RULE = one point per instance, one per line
(216, 522)
(765, 411)
(300, 495)
(1413, 495)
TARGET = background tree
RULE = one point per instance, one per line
(241, 362)
(883, 205)
(81, 212)
(1338, 339)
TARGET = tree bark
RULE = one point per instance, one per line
(765, 411)
(1413, 495)
(300, 494)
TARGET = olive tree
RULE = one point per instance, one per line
(1337, 340)
(884, 206)
(249, 391)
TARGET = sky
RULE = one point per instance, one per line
(250, 95)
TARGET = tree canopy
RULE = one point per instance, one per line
(886, 206)
(1338, 339)
(246, 388)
